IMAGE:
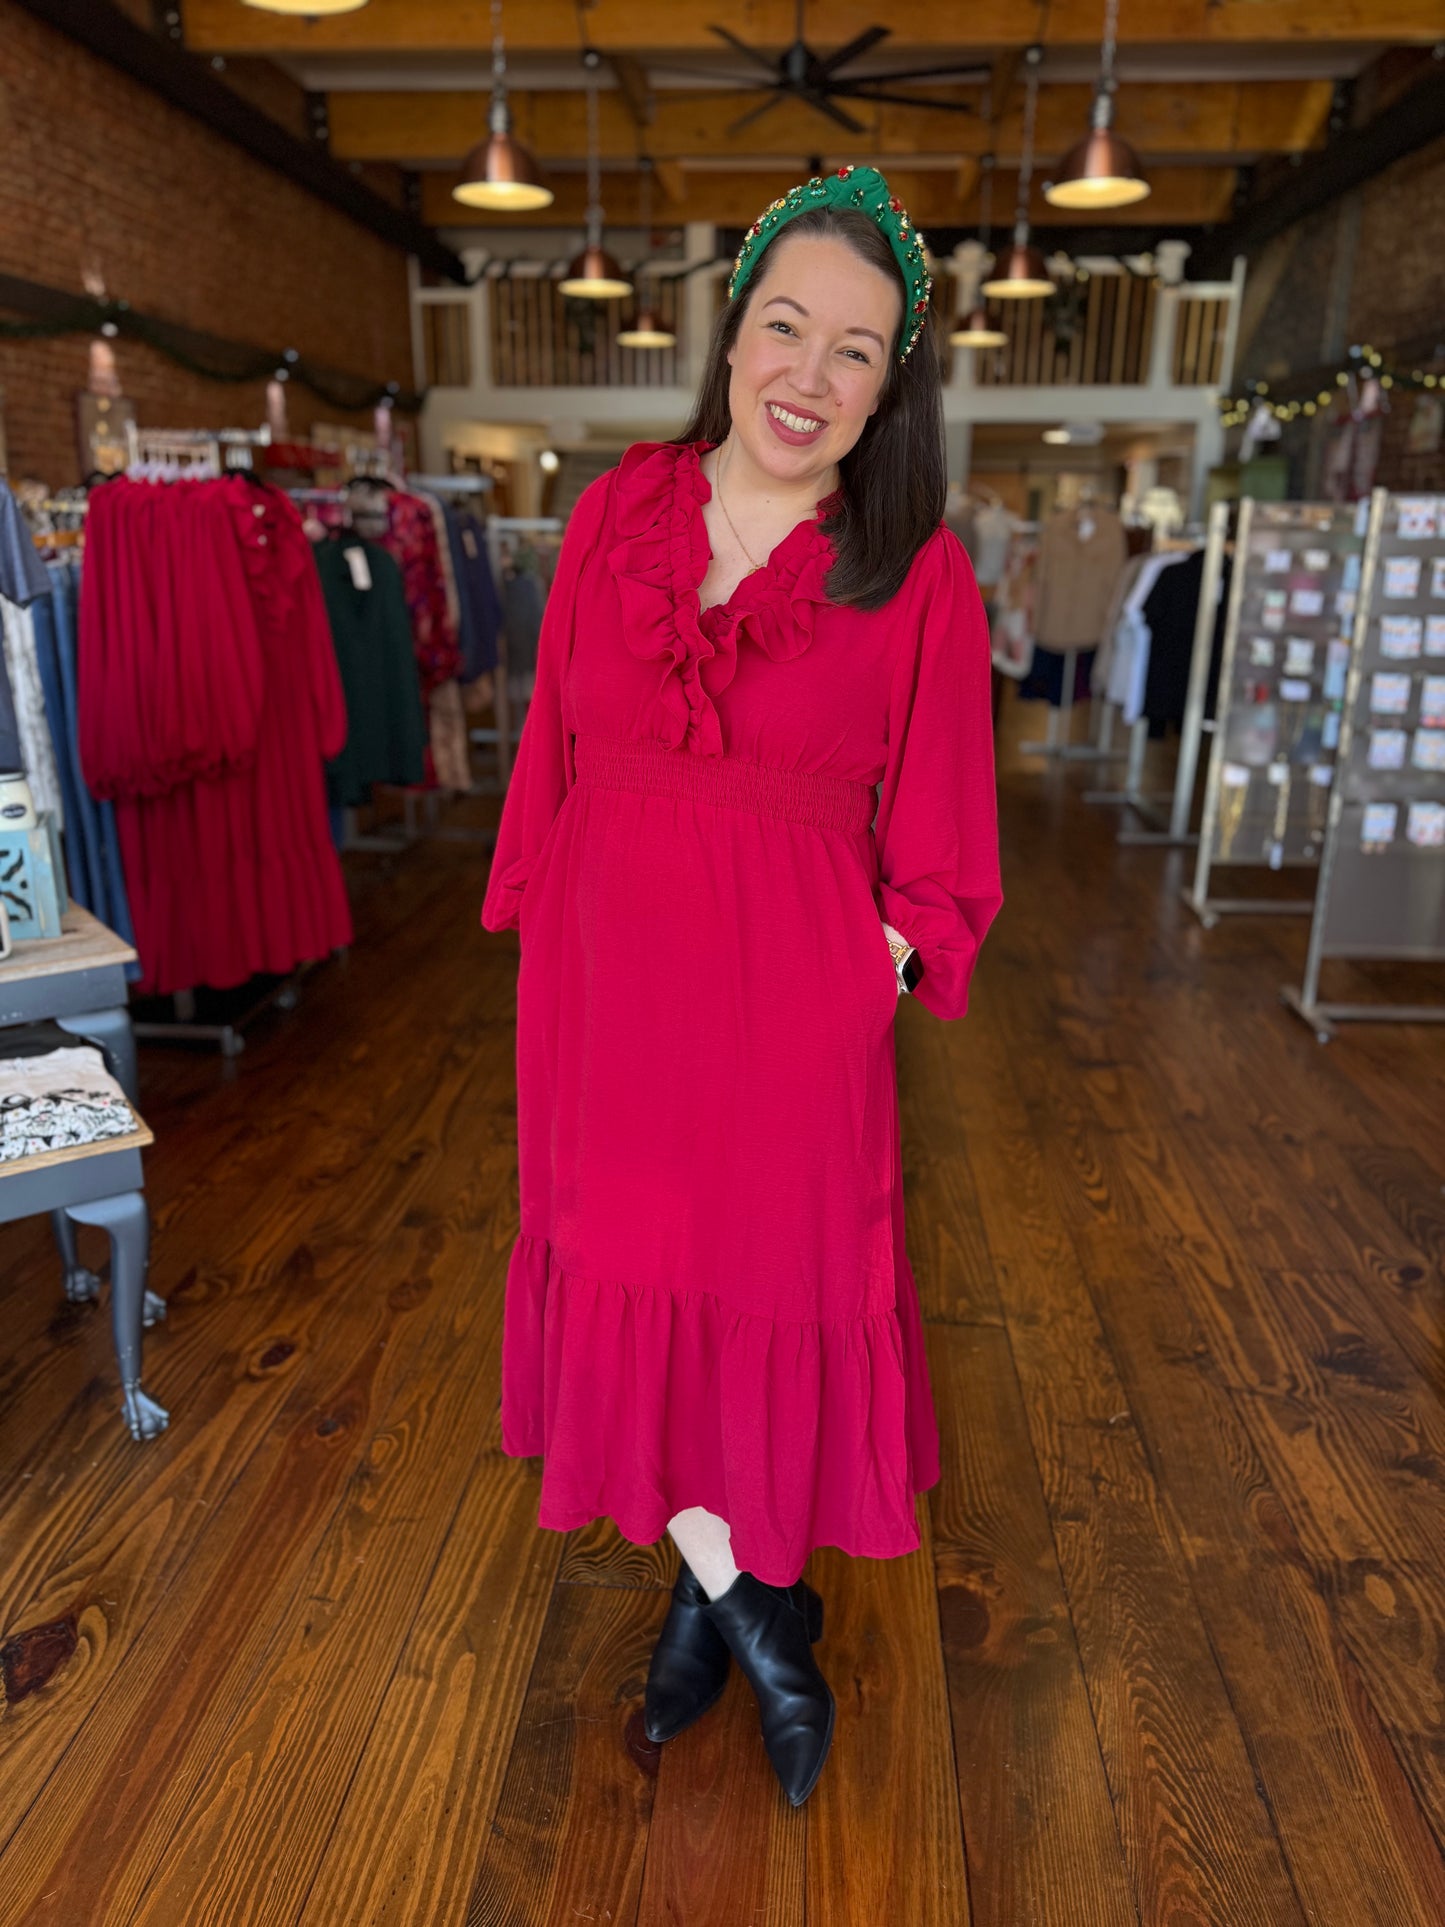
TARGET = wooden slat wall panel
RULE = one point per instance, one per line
(1109, 344)
(541, 339)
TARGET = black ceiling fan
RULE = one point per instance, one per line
(802, 74)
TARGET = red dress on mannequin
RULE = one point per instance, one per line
(209, 701)
(710, 1302)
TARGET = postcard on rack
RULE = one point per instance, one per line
(1435, 635)
(1378, 829)
(1275, 604)
(1387, 748)
(1429, 749)
(1402, 577)
(1261, 652)
(1389, 693)
(1299, 656)
(1425, 825)
(1307, 602)
(1400, 637)
(1277, 561)
(1419, 516)
(1437, 576)
(1432, 702)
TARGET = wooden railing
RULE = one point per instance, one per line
(1200, 336)
(541, 339)
(1098, 332)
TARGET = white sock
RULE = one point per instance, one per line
(706, 1543)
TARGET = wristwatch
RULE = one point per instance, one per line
(906, 960)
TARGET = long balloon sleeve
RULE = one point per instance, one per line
(937, 824)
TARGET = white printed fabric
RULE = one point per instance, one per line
(64, 1098)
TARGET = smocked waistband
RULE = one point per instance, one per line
(651, 769)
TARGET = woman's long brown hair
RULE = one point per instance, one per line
(894, 480)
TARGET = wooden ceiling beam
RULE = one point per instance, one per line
(642, 26)
(1182, 197)
(1216, 118)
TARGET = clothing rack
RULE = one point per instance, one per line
(452, 484)
(503, 737)
(209, 453)
(213, 450)
(1175, 827)
(1196, 726)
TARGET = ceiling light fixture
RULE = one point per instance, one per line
(1101, 170)
(499, 173)
(647, 331)
(316, 7)
(1025, 276)
(973, 329)
(594, 275)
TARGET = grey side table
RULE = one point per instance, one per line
(77, 980)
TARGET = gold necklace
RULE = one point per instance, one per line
(731, 524)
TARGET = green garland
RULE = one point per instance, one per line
(1317, 392)
(242, 363)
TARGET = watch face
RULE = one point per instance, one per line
(912, 970)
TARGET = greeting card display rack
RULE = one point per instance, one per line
(1381, 894)
(1282, 690)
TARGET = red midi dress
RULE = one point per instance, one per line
(710, 1302)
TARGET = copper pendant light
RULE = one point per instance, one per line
(647, 331)
(499, 173)
(976, 331)
(973, 329)
(314, 7)
(1025, 276)
(1101, 170)
(594, 275)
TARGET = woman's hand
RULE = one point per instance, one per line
(900, 946)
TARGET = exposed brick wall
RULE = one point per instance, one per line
(102, 177)
(1395, 295)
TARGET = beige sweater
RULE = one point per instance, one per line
(1077, 579)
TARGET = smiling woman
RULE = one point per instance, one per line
(759, 757)
(817, 334)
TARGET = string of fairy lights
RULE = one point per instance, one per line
(1365, 363)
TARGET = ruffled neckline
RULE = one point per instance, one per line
(659, 565)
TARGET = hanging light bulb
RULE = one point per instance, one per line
(974, 329)
(1025, 275)
(499, 173)
(312, 7)
(594, 275)
(647, 331)
(1101, 170)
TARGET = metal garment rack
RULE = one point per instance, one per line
(1174, 831)
(503, 738)
(1284, 522)
(1383, 901)
(214, 452)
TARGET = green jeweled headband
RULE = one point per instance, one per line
(863, 188)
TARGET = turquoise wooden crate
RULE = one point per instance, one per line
(32, 880)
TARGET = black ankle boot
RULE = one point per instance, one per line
(690, 1661)
(768, 1630)
(689, 1664)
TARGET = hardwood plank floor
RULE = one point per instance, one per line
(1171, 1651)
